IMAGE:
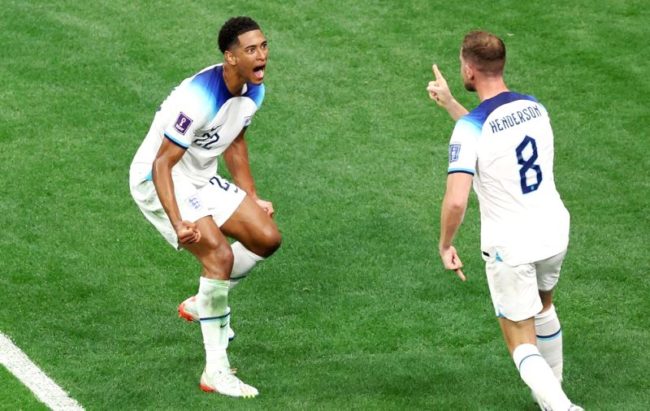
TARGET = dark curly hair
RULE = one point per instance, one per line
(232, 28)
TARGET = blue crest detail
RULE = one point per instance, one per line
(454, 152)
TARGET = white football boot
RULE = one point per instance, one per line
(544, 407)
(224, 382)
(187, 310)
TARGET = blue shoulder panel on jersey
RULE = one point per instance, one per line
(256, 93)
(481, 113)
(212, 86)
(476, 124)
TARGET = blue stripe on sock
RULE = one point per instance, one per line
(524, 359)
(214, 318)
(551, 336)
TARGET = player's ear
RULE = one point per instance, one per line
(230, 58)
(468, 71)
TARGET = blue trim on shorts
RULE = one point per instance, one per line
(497, 257)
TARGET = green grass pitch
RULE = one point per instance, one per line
(355, 311)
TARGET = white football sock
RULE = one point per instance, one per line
(244, 261)
(212, 307)
(537, 374)
(549, 340)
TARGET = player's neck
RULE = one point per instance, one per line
(490, 87)
(234, 82)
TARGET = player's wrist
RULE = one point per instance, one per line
(450, 103)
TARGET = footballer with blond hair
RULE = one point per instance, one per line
(504, 147)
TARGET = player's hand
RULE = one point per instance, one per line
(439, 90)
(187, 232)
(451, 261)
(267, 206)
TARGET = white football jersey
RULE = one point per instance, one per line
(201, 116)
(506, 143)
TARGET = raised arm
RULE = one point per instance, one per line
(440, 93)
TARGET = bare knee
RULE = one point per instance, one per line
(516, 333)
(547, 299)
(268, 240)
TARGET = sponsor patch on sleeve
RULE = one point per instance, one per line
(182, 123)
(454, 152)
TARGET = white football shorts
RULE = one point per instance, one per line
(515, 289)
(219, 198)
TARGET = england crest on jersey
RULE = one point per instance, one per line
(454, 151)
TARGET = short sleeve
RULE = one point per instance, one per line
(463, 147)
(188, 114)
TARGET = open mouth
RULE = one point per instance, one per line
(259, 72)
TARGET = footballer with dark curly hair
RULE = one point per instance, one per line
(174, 181)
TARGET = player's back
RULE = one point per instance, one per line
(521, 211)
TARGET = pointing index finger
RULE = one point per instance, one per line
(436, 72)
(460, 274)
